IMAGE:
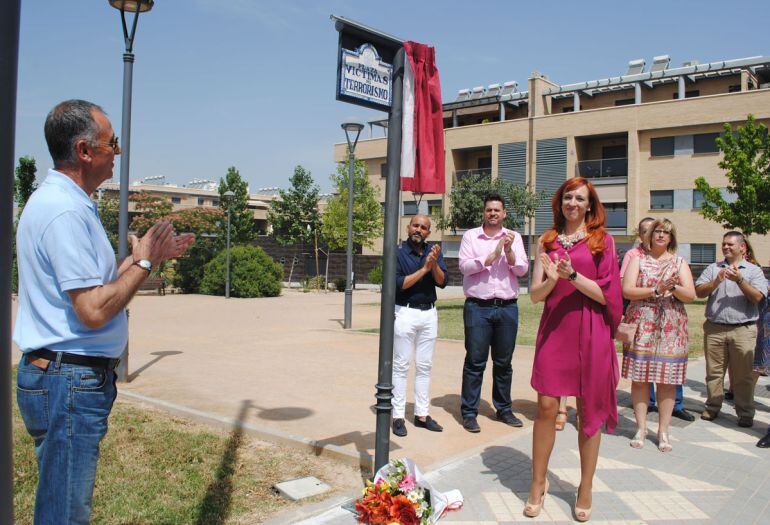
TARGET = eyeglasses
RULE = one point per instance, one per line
(114, 144)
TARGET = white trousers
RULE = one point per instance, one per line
(414, 334)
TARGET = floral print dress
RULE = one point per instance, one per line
(659, 350)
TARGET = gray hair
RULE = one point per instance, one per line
(68, 122)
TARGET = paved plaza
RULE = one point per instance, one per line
(714, 475)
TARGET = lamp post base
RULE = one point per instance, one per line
(348, 307)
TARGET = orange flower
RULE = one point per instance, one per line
(402, 510)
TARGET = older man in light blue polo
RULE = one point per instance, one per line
(71, 324)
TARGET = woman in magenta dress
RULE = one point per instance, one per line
(576, 274)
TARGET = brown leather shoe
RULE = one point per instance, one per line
(708, 416)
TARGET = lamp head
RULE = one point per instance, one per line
(352, 126)
(132, 6)
(228, 194)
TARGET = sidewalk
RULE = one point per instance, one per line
(714, 475)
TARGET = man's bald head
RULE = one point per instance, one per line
(418, 229)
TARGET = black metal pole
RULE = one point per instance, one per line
(348, 321)
(9, 62)
(227, 270)
(384, 385)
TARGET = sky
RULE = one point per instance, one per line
(251, 83)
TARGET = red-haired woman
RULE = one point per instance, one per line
(576, 274)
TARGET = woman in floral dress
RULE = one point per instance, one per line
(657, 284)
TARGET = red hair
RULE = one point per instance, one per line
(595, 216)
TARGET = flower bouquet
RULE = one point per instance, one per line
(399, 495)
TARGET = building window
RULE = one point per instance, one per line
(201, 200)
(616, 214)
(434, 208)
(662, 200)
(176, 200)
(410, 208)
(215, 202)
(625, 102)
(735, 88)
(703, 253)
(662, 147)
(383, 170)
(567, 109)
(705, 143)
(697, 199)
(687, 94)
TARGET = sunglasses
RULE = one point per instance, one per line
(114, 144)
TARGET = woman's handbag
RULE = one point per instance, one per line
(625, 333)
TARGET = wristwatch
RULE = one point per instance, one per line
(573, 275)
(144, 264)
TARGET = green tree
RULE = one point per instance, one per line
(23, 186)
(109, 213)
(466, 202)
(297, 209)
(25, 182)
(746, 162)
(206, 224)
(150, 209)
(367, 211)
(242, 226)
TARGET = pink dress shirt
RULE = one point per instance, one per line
(498, 280)
(630, 254)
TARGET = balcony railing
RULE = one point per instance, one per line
(461, 174)
(592, 169)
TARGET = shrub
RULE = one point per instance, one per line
(311, 282)
(190, 268)
(339, 284)
(375, 276)
(253, 273)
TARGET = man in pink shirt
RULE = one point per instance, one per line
(492, 258)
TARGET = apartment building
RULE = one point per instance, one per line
(642, 138)
(194, 194)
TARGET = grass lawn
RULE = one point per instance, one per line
(156, 468)
(450, 321)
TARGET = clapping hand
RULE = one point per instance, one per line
(549, 267)
(733, 273)
(564, 266)
(432, 257)
(160, 243)
(507, 242)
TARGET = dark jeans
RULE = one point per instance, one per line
(65, 409)
(677, 402)
(485, 327)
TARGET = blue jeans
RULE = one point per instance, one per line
(485, 327)
(65, 409)
(677, 402)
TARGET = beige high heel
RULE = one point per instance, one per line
(581, 514)
(561, 420)
(664, 445)
(532, 510)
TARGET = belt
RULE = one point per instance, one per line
(747, 323)
(493, 302)
(107, 363)
(418, 306)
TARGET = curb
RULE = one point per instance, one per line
(361, 460)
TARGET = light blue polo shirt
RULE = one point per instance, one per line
(61, 245)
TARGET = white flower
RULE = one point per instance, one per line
(413, 496)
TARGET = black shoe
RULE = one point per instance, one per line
(509, 419)
(399, 428)
(429, 423)
(745, 422)
(683, 415)
(765, 441)
(652, 408)
(729, 396)
(471, 425)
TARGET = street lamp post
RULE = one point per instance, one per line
(228, 195)
(9, 62)
(136, 7)
(351, 127)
